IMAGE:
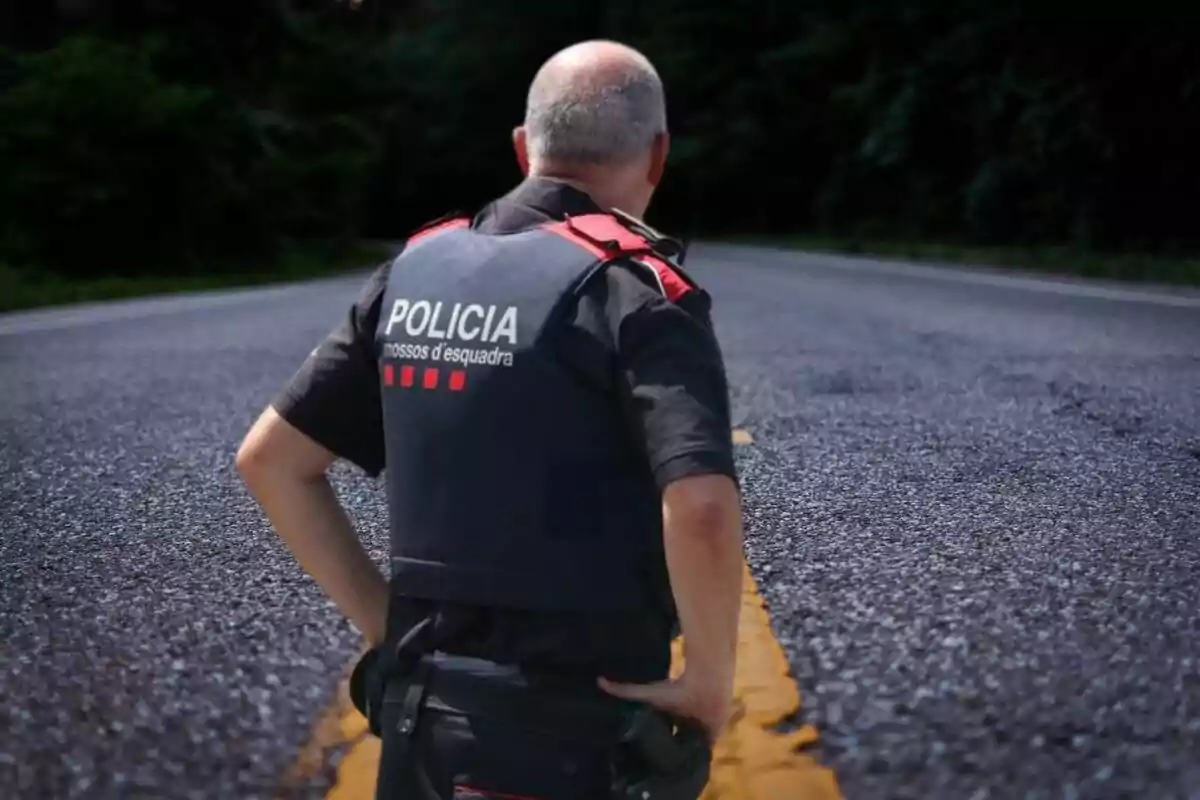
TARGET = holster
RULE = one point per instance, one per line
(667, 758)
(381, 666)
(395, 674)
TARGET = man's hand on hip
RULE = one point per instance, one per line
(702, 537)
(709, 705)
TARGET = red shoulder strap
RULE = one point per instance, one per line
(605, 237)
(673, 284)
(605, 231)
(436, 226)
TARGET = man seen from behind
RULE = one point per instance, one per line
(542, 383)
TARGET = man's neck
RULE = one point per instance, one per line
(601, 195)
(574, 183)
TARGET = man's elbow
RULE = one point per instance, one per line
(255, 462)
(250, 460)
(704, 505)
(273, 451)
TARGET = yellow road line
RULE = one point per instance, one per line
(752, 761)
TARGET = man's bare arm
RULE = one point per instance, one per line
(286, 472)
(702, 532)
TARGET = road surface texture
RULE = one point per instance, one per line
(973, 508)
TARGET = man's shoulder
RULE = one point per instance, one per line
(626, 241)
(633, 289)
(665, 277)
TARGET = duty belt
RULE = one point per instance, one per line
(661, 758)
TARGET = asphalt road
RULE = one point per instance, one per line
(973, 508)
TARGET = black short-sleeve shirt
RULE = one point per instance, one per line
(661, 356)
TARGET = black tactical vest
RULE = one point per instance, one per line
(512, 480)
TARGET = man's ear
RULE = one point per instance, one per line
(521, 147)
(658, 158)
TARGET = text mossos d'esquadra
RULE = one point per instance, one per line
(450, 325)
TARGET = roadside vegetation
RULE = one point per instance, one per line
(156, 146)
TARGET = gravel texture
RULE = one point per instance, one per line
(973, 508)
(975, 515)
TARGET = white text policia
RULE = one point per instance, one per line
(467, 323)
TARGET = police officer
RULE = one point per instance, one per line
(542, 383)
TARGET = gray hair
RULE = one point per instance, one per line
(577, 119)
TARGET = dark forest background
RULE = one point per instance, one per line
(159, 135)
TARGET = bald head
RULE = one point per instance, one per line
(594, 104)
